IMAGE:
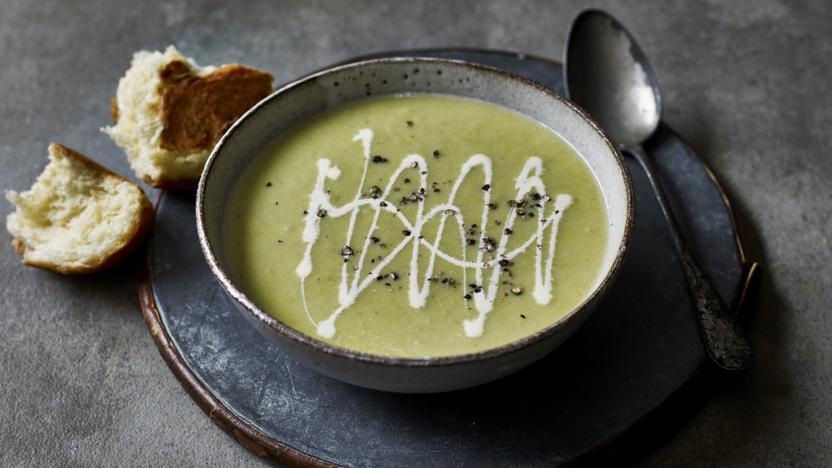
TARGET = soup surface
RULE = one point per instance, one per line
(419, 225)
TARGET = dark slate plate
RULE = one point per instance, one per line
(637, 350)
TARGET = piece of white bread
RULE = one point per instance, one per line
(169, 117)
(78, 217)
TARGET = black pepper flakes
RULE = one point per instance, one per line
(507, 231)
(467, 296)
(321, 213)
(517, 291)
(409, 122)
(488, 244)
(268, 184)
(374, 192)
(436, 153)
(347, 251)
(486, 187)
(379, 159)
(406, 232)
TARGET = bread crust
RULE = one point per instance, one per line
(114, 110)
(131, 242)
(197, 110)
(164, 183)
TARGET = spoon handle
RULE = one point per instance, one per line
(724, 342)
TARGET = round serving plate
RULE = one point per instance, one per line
(639, 348)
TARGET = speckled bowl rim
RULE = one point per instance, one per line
(394, 361)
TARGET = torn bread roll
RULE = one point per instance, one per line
(169, 113)
(78, 217)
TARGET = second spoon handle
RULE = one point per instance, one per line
(724, 342)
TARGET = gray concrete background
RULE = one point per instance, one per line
(81, 382)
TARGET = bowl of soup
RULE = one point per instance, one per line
(415, 225)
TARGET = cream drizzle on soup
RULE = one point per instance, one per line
(418, 225)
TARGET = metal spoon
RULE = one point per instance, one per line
(608, 75)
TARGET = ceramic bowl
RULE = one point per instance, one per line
(326, 89)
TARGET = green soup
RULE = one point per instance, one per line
(418, 225)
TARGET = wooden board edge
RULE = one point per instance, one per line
(252, 439)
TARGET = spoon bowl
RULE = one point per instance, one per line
(609, 76)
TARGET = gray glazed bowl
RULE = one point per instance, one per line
(326, 89)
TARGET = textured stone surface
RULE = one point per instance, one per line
(82, 383)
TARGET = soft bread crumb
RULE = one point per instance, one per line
(160, 114)
(78, 217)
